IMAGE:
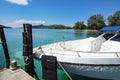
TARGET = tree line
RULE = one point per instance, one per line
(97, 21)
(94, 22)
(55, 26)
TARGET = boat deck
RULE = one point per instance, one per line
(85, 51)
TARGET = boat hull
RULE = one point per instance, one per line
(100, 72)
(101, 65)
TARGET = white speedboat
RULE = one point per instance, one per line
(96, 57)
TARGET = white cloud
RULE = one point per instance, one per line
(19, 23)
(19, 2)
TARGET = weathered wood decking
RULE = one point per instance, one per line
(1, 69)
(19, 74)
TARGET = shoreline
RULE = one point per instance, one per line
(88, 30)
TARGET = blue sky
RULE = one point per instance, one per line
(67, 12)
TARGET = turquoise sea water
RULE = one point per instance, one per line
(40, 37)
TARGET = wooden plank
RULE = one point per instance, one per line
(18, 74)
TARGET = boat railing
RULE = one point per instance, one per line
(90, 54)
(117, 55)
(79, 53)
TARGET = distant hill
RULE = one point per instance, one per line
(40, 26)
(51, 27)
(4, 26)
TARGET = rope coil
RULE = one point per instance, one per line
(28, 59)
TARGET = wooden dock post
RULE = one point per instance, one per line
(49, 67)
(5, 48)
(28, 50)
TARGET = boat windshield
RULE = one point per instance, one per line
(116, 38)
(107, 36)
(96, 35)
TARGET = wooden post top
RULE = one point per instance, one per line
(27, 28)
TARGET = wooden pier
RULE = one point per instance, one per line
(49, 63)
(18, 74)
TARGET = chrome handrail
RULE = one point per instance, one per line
(117, 55)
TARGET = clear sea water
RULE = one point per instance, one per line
(40, 37)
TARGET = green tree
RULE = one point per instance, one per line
(96, 22)
(79, 25)
(114, 20)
